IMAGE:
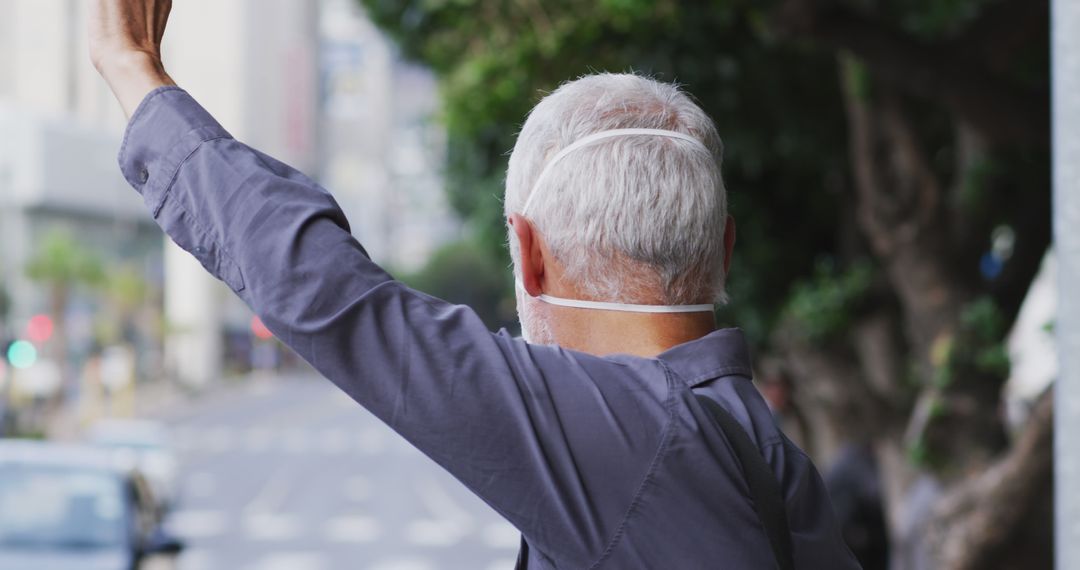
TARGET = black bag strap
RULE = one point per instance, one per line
(764, 490)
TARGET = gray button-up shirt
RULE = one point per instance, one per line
(600, 462)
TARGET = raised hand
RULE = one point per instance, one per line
(125, 46)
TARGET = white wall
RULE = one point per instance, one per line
(252, 64)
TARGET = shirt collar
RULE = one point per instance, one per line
(720, 353)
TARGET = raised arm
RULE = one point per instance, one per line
(526, 428)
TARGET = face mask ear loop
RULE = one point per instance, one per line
(585, 141)
(602, 305)
(623, 307)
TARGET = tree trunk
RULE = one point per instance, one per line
(905, 374)
(1003, 517)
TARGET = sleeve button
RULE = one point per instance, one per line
(199, 250)
(143, 176)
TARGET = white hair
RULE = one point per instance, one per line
(633, 219)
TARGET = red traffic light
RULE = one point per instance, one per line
(259, 329)
(39, 329)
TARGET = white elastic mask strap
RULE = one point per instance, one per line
(585, 141)
(624, 307)
(602, 305)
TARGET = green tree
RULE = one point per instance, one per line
(872, 148)
(61, 264)
(125, 292)
(463, 272)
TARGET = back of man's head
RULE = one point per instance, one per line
(633, 219)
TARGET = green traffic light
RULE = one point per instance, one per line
(21, 354)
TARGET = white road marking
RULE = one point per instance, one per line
(157, 562)
(271, 527)
(440, 504)
(198, 485)
(402, 564)
(219, 439)
(197, 524)
(449, 523)
(261, 519)
(342, 400)
(371, 441)
(295, 441)
(427, 532)
(333, 441)
(501, 535)
(183, 438)
(357, 488)
(195, 559)
(260, 387)
(305, 560)
(257, 440)
(272, 493)
(352, 529)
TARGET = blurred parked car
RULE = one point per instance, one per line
(66, 507)
(146, 445)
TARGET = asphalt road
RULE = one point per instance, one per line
(290, 474)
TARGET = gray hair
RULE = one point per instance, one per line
(634, 219)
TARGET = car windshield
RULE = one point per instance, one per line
(55, 507)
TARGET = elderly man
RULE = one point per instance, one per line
(615, 435)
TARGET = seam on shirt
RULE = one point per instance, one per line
(762, 444)
(139, 112)
(661, 452)
(171, 180)
(221, 256)
(222, 252)
(771, 442)
(727, 370)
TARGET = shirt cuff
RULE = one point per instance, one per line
(165, 129)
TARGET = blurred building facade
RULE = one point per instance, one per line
(58, 171)
(383, 147)
(310, 82)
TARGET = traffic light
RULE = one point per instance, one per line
(21, 354)
(259, 329)
(39, 329)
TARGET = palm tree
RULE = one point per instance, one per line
(61, 264)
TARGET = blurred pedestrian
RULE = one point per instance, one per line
(855, 488)
(616, 433)
(776, 387)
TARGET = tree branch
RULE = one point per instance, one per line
(1000, 32)
(978, 522)
(1002, 111)
(900, 209)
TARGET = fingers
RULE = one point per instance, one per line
(136, 24)
(119, 28)
(164, 7)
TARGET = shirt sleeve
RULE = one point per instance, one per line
(529, 429)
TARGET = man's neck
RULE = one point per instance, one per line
(640, 334)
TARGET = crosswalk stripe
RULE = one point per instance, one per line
(352, 529)
(274, 527)
(194, 524)
(290, 560)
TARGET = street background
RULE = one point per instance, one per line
(888, 164)
(288, 472)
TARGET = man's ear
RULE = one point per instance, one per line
(531, 257)
(729, 242)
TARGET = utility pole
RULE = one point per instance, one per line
(1065, 118)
